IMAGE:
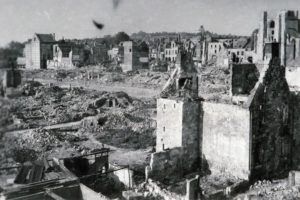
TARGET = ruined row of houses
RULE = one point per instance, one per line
(43, 51)
(222, 52)
(206, 50)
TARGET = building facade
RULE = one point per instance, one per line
(171, 51)
(38, 51)
(135, 56)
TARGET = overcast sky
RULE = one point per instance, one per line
(19, 19)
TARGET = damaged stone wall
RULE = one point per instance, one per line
(177, 142)
(190, 139)
(256, 97)
(225, 138)
(184, 132)
(295, 127)
(271, 139)
(168, 133)
(165, 165)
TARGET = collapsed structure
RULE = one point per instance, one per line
(237, 123)
(237, 135)
(87, 176)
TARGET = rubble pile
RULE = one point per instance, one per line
(148, 79)
(39, 139)
(116, 99)
(47, 115)
(214, 83)
(97, 74)
(48, 105)
(123, 129)
(272, 190)
(29, 88)
(217, 182)
(38, 143)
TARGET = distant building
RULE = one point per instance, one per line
(38, 51)
(113, 53)
(99, 53)
(189, 45)
(171, 51)
(237, 55)
(282, 28)
(154, 54)
(65, 55)
(225, 51)
(216, 53)
(134, 56)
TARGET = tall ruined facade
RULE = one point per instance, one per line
(271, 140)
(282, 29)
(135, 56)
(39, 50)
(249, 139)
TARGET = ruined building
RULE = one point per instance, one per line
(283, 30)
(134, 56)
(236, 127)
(172, 50)
(38, 51)
(81, 177)
(66, 55)
(222, 52)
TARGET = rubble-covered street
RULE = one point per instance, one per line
(49, 121)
